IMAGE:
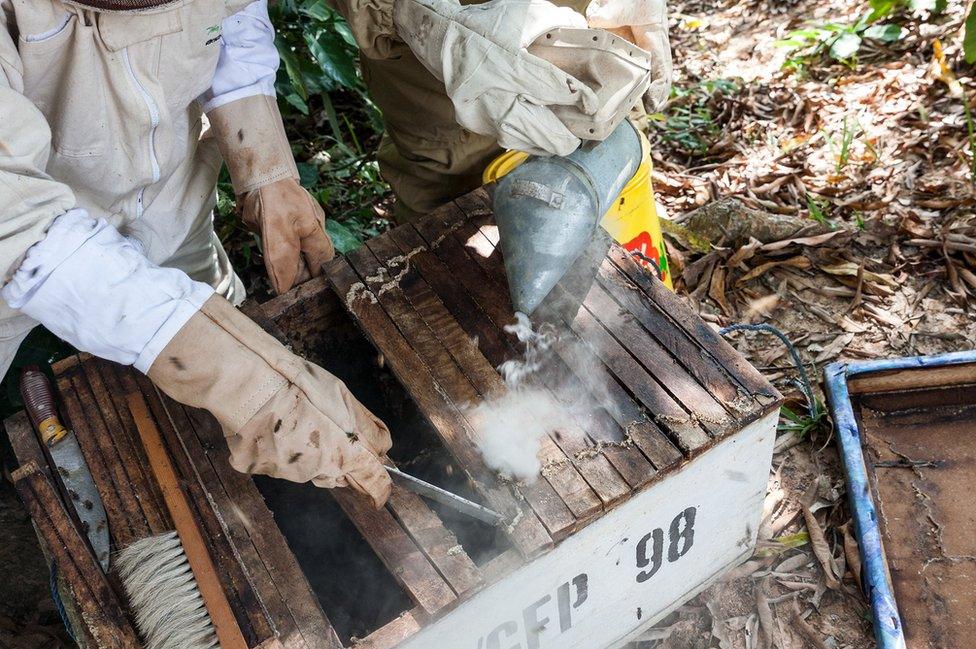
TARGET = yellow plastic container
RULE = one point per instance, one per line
(632, 221)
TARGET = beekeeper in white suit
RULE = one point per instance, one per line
(107, 191)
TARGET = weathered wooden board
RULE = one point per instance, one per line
(107, 626)
(618, 530)
(529, 534)
(268, 592)
(432, 297)
(424, 557)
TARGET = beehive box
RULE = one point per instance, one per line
(907, 431)
(649, 500)
(660, 493)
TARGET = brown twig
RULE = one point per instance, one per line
(808, 632)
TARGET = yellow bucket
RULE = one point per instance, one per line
(632, 221)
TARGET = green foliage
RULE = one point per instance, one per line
(969, 36)
(820, 211)
(333, 126)
(319, 57)
(839, 40)
(803, 424)
(884, 8)
(885, 32)
(842, 41)
(343, 238)
(842, 149)
(689, 125)
(793, 540)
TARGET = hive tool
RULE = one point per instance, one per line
(444, 497)
(62, 445)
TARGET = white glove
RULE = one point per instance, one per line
(94, 288)
(497, 87)
(645, 24)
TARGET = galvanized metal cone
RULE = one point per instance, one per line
(539, 250)
(569, 294)
(540, 239)
(547, 211)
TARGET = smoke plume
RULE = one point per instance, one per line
(539, 401)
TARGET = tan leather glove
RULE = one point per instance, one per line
(283, 416)
(271, 201)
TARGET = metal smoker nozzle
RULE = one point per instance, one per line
(547, 210)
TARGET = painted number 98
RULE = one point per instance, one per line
(650, 549)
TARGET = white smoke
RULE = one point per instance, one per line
(512, 426)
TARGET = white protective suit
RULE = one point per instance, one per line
(100, 113)
(445, 113)
(107, 191)
(104, 178)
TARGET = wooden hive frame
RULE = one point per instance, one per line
(423, 297)
(270, 597)
(431, 297)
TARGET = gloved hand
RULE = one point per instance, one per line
(497, 87)
(282, 415)
(645, 24)
(292, 228)
(271, 201)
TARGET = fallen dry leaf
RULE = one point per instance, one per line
(808, 632)
(818, 542)
(719, 632)
(765, 615)
(850, 269)
(799, 261)
(744, 253)
(716, 291)
(802, 241)
(835, 347)
(852, 552)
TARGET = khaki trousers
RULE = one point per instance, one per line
(427, 158)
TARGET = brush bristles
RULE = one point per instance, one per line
(169, 610)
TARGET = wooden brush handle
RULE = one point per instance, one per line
(198, 556)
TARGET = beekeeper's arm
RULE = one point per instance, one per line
(481, 54)
(95, 289)
(29, 198)
(243, 113)
(644, 23)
